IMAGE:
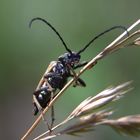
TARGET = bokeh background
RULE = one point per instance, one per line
(25, 54)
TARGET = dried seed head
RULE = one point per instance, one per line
(101, 99)
(137, 41)
(129, 125)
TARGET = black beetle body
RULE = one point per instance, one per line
(57, 75)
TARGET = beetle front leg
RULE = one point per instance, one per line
(78, 81)
(83, 64)
(80, 64)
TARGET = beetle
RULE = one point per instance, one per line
(59, 71)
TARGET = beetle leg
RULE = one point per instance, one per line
(78, 81)
(45, 121)
(74, 75)
(81, 64)
(52, 108)
(39, 106)
(50, 88)
(81, 82)
(52, 116)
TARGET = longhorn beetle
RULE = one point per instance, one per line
(59, 71)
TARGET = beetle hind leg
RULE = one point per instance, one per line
(52, 116)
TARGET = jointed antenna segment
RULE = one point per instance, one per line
(106, 31)
(57, 33)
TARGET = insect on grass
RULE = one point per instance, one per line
(120, 42)
(58, 71)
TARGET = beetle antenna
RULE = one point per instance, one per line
(45, 21)
(96, 37)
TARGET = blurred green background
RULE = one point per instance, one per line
(25, 54)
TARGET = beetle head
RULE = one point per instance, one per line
(72, 58)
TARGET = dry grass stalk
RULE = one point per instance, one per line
(88, 115)
(115, 45)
